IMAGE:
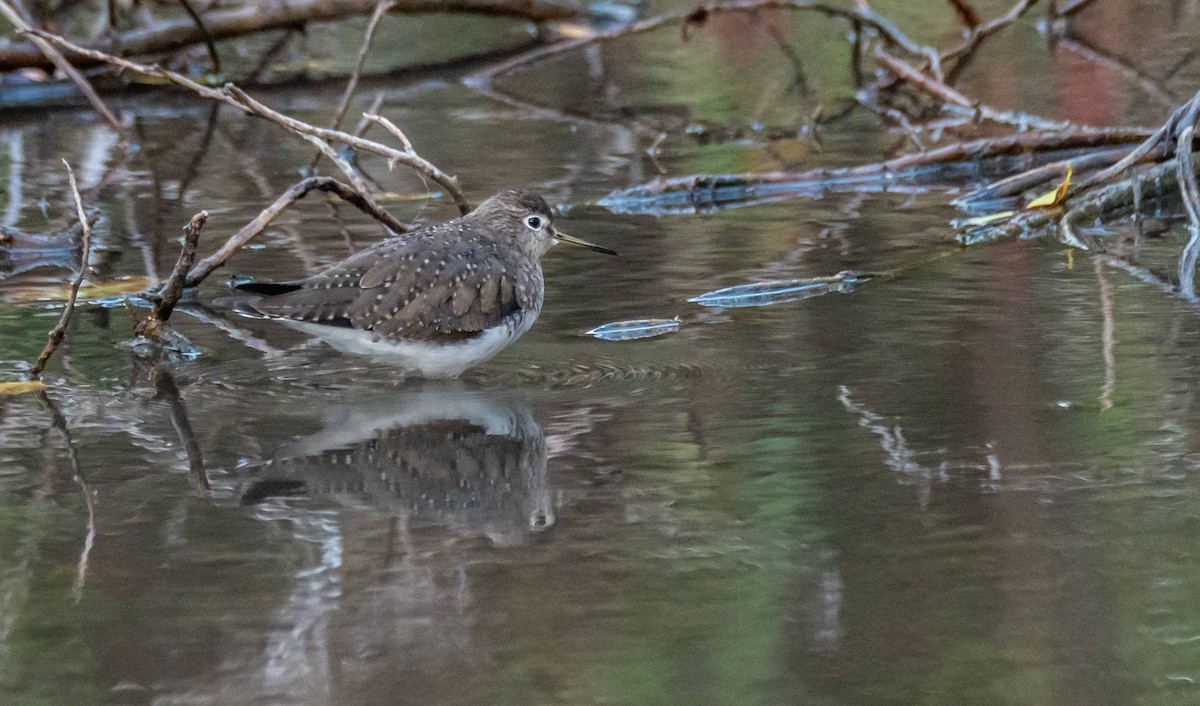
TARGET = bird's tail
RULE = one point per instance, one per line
(255, 292)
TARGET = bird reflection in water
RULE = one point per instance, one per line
(442, 455)
(382, 601)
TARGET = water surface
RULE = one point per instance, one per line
(968, 481)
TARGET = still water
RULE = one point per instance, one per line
(968, 481)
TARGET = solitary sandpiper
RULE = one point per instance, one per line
(437, 300)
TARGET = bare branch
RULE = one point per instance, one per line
(950, 96)
(390, 127)
(170, 293)
(52, 55)
(859, 16)
(238, 98)
(966, 14)
(204, 34)
(380, 10)
(352, 84)
(254, 17)
(296, 192)
(972, 41)
(713, 189)
(60, 329)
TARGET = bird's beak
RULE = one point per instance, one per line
(559, 235)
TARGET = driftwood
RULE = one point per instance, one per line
(256, 17)
(704, 190)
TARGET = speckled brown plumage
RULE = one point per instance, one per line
(442, 284)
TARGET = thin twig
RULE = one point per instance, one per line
(952, 97)
(859, 16)
(64, 66)
(1185, 170)
(972, 41)
(390, 127)
(966, 14)
(1072, 7)
(55, 338)
(238, 98)
(365, 122)
(352, 85)
(254, 17)
(170, 293)
(296, 192)
(205, 35)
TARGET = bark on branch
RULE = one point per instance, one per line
(236, 97)
(297, 191)
(259, 17)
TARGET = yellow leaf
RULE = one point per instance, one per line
(1053, 198)
(20, 388)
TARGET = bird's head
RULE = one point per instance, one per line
(527, 218)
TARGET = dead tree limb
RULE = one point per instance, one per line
(698, 189)
(380, 10)
(1185, 170)
(55, 338)
(205, 35)
(168, 296)
(47, 50)
(857, 15)
(254, 17)
(951, 97)
(236, 97)
(297, 191)
(352, 84)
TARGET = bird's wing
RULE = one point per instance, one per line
(449, 293)
(323, 298)
(415, 287)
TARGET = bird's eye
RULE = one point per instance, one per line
(533, 222)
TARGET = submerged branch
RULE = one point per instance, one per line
(712, 189)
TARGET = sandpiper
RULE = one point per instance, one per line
(437, 300)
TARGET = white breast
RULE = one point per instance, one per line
(429, 359)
